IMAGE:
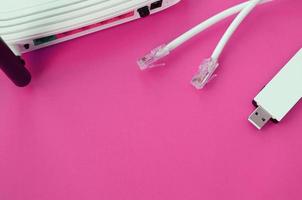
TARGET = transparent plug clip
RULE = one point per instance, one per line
(151, 60)
(205, 73)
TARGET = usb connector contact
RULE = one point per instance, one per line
(260, 117)
(280, 95)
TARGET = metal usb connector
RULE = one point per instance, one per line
(260, 117)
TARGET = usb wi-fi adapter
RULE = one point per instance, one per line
(280, 95)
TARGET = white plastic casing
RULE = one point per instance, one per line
(284, 91)
(22, 21)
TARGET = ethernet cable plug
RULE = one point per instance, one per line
(279, 96)
(207, 69)
(151, 59)
(205, 73)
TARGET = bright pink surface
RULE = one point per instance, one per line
(92, 126)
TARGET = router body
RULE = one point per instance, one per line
(27, 25)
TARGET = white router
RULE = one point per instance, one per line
(27, 25)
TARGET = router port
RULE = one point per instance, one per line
(144, 11)
(44, 40)
(156, 5)
(26, 46)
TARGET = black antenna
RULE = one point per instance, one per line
(13, 66)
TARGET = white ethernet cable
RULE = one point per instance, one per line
(151, 59)
(208, 67)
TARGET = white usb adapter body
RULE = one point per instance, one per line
(280, 95)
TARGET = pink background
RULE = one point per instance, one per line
(93, 126)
